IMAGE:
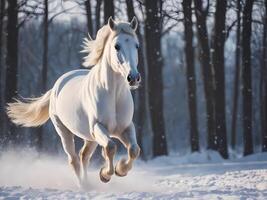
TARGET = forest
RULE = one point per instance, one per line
(203, 65)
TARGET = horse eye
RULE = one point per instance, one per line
(137, 46)
(117, 47)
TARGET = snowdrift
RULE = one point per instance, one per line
(205, 175)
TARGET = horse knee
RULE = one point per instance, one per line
(134, 151)
(83, 154)
(111, 148)
(73, 160)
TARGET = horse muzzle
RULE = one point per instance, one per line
(134, 79)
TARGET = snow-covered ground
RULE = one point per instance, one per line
(27, 175)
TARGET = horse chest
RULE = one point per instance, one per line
(124, 118)
(124, 112)
(117, 115)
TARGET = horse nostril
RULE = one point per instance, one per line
(129, 78)
(138, 78)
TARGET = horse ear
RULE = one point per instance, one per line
(134, 23)
(111, 23)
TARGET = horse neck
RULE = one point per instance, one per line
(106, 77)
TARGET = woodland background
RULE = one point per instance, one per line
(203, 66)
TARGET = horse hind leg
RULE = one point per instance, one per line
(67, 140)
(86, 153)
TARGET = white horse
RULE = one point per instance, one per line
(95, 105)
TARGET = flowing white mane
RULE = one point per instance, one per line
(95, 48)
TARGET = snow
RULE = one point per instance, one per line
(26, 174)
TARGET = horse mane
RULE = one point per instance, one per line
(95, 48)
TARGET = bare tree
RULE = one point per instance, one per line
(155, 82)
(44, 66)
(246, 77)
(87, 4)
(142, 112)
(2, 116)
(14, 23)
(237, 75)
(218, 65)
(97, 15)
(45, 46)
(12, 50)
(12, 57)
(263, 83)
(207, 70)
(130, 9)
(2, 14)
(190, 74)
(108, 10)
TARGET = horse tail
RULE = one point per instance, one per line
(30, 112)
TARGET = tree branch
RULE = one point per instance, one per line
(230, 28)
(59, 13)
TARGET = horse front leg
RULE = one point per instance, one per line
(128, 138)
(109, 150)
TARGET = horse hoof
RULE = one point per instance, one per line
(118, 174)
(102, 178)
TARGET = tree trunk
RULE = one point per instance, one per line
(12, 59)
(246, 78)
(155, 82)
(2, 112)
(2, 10)
(44, 68)
(237, 76)
(190, 74)
(139, 103)
(108, 10)
(97, 15)
(130, 9)
(264, 85)
(207, 71)
(142, 98)
(87, 4)
(45, 47)
(218, 64)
